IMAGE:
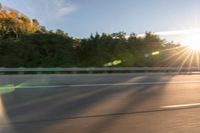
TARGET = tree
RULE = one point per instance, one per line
(119, 35)
(1, 6)
(35, 25)
(35, 21)
(43, 29)
(60, 32)
(14, 24)
(25, 43)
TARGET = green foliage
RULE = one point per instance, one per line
(1, 6)
(24, 43)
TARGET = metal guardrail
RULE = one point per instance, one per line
(103, 69)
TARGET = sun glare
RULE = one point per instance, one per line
(193, 42)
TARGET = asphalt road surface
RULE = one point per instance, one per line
(100, 103)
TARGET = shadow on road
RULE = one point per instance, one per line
(29, 108)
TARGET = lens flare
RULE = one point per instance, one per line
(192, 42)
(7, 89)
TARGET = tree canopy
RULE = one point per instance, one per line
(25, 43)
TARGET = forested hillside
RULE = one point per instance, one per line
(25, 43)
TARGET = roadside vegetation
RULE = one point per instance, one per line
(25, 43)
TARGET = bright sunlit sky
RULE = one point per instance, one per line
(173, 19)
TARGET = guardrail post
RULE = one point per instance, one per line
(90, 71)
(2, 73)
(39, 72)
(57, 72)
(74, 72)
(105, 71)
(21, 72)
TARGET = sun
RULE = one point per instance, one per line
(192, 42)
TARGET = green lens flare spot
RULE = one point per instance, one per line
(7, 89)
(113, 63)
(155, 53)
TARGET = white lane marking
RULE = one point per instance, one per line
(111, 84)
(44, 86)
(180, 106)
(137, 83)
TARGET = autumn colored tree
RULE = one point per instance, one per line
(14, 24)
(25, 43)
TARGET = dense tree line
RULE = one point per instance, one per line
(24, 43)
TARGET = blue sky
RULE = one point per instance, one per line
(80, 18)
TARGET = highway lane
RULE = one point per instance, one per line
(98, 103)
